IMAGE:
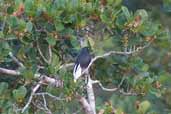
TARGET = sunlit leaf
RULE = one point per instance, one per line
(51, 41)
(19, 93)
(144, 106)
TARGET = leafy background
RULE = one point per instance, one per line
(30, 26)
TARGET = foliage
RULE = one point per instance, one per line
(47, 33)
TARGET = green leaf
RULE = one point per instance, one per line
(10, 10)
(104, 18)
(13, 21)
(1, 34)
(145, 67)
(21, 24)
(28, 5)
(3, 87)
(59, 27)
(51, 41)
(17, 2)
(29, 26)
(149, 29)
(126, 12)
(143, 13)
(144, 106)
(51, 69)
(74, 41)
(55, 61)
(121, 20)
(28, 74)
(19, 93)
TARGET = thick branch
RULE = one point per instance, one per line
(45, 79)
(90, 94)
(87, 108)
(9, 72)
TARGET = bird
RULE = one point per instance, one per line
(82, 62)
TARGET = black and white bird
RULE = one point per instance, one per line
(82, 62)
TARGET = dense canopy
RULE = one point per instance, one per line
(130, 71)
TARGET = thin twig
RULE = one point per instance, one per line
(38, 106)
(66, 65)
(41, 54)
(121, 91)
(50, 54)
(108, 89)
(50, 95)
(131, 51)
(16, 60)
(7, 39)
(45, 105)
(31, 96)
(129, 93)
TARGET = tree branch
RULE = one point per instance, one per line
(16, 60)
(50, 95)
(107, 89)
(9, 72)
(45, 79)
(131, 51)
(50, 54)
(121, 91)
(90, 94)
(66, 65)
(31, 96)
(87, 108)
(48, 61)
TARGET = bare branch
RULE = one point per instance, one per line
(66, 65)
(50, 95)
(121, 91)
(50, 54)
(45, 105)
(9, 72)
(31, 96)
(42, 107)
(44, 78)
(43, 57)
(90, 94)
(85, 104)
(107, 89)
(129, 93)
(16, 109)
(16, 60)
(131, 51)
(7, 39)
(52, 81)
